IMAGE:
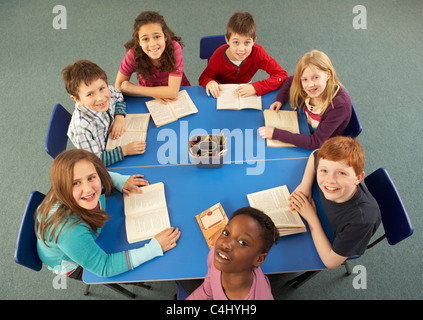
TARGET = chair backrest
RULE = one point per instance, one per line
(354, 126)
(26, 244)
(209, 44)
(395, 219)
(57, 137)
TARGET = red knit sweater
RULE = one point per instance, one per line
(222, 70)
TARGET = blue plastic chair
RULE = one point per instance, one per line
(181, 293)
(395, 220)
(209, 44)
(26, 244)
(354, 126)
(57, 137)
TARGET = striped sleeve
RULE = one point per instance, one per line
(112, 156)
(117, 102)
(120, 109)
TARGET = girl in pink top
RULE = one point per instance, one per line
(155, 53)
(234, 262)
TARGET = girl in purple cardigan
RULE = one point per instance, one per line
(234, 262)
(315, 88)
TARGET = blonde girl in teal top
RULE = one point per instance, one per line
(72, 214)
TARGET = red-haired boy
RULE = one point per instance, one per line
(351, 210)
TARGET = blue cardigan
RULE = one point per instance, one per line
(75, 246)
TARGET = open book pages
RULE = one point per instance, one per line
(283, 119)
(229, 99)
(146, 213)
(166, 113)
(136, 126)
(212, 222)
(274, 203)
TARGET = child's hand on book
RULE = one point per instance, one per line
(167, 100)
(136, 147)
(134, 183)
(246, 90)
(118, 127)
(167, 238)
(213, 88)
(266, 132)
(275, 106)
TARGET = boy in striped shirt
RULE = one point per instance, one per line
(99, 112)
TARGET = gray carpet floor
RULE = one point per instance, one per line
(380, 66)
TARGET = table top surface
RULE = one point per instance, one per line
(190, 190)
(236, 124)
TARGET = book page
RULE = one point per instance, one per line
(146, 225)
(274, 202)
(252, 102)
(146, 213)
(162, 114)
(228, 98)
(183, 106)
(152, 197)
(126, 138)
(137, 122)
(136, 126)
(283, 119)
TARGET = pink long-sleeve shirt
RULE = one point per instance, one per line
(212, 289)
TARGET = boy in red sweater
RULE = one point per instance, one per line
(239, 59)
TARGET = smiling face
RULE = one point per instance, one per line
(314, 81)
(337, 180)
(240, 47)
(86, 184)
(152, 41)
(239, 248)
(96, 96)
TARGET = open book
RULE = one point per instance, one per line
(146, 213)
(274, 203)
(212, 222)
(283, 119)
(166, 113)
(136, 126)
(229, 99)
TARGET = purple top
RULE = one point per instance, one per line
(333, 121)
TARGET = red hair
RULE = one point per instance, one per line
(343, 149)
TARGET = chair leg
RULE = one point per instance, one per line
(120, 289)
(301, 279)
(145, 286)
(347, 267)
(87, 290)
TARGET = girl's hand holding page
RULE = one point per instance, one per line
(167, 238)
(275, 106)
(133, 184)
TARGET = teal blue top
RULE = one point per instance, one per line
(75, 246)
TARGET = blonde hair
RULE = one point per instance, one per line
(61, 177)
(320, 60)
